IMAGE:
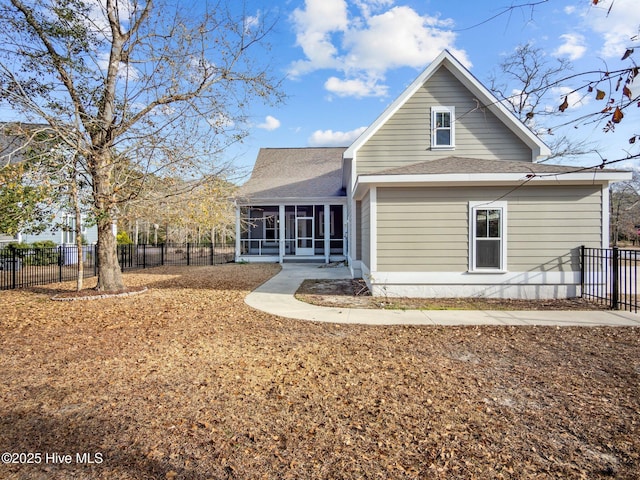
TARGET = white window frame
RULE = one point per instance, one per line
(275, 228)
(452, 123)
(69, 228)
(483, 205)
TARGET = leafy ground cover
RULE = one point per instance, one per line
(186, 381)
(355, 294)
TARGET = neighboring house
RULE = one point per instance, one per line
(443, 196)
(12, 146)
(62, 232)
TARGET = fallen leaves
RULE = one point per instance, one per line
(186, 381)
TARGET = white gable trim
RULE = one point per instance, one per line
(539, 148)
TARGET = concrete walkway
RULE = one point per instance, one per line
(276, 297)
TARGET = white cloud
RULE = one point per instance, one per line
(357, 88)
(125, 70)
(97, 15)
(399, 37)
(221, 121)
(573, 47)
(364, 42)
(314, 27)
(329, 138)
(617, 27)
(270, 123)
(574, 99)
(251, 22)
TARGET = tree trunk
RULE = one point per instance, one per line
(109, 273)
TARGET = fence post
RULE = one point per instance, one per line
(61, 253)
(188, 254)
(615, 287)
(144, 255)
(582, 268)
(213, 254)
(14, 262)
(162, 254)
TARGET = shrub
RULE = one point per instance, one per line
(36, 254)
(123, 238)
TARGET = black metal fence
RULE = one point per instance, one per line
(24, 267)
(609, 276)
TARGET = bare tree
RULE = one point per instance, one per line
(526, 83)
(625, 210)
(156, 88)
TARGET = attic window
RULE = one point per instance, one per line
(442, 127)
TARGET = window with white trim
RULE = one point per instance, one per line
(442, 127)
(487, 235)
(271, 227)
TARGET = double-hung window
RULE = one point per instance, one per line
(271, 227)
(442, 127)
(487, 236)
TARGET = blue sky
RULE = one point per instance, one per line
(344, 61)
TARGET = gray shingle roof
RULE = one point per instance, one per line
(452, 165)
(295, 173)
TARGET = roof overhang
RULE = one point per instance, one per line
(603, 177)
(271, 201)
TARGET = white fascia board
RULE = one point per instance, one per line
(363, 182)
(267, 202)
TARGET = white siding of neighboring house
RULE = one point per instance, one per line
(56, 233)
(406, 137)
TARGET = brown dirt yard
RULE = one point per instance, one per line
(185, 381)
(355, 294)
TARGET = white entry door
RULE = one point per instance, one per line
(304, 236)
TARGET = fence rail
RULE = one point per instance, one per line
(25, 267)
(609, 276)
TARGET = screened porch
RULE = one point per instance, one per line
(291, 232)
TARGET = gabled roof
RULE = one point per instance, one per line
(486, 98)
(299, 173)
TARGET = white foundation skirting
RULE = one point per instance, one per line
(524, 285)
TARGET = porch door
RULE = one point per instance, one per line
(304, 236)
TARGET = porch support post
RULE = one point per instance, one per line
(281, 232)
(373, 229)
(327, 232)
(346, 228)
(238, 232)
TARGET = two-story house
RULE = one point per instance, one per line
(443, 195)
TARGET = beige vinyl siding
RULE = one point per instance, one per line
(365, 218)
(406, 136)
(427, 229)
